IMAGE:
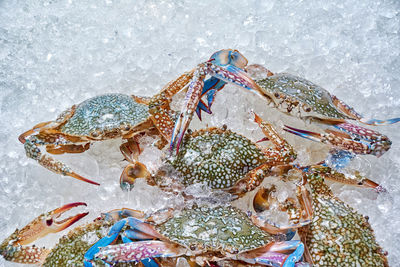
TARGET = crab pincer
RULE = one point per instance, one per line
(226, 65)
(14, 247)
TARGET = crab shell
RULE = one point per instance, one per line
(300, 97)
(71, 248)
(103, 117)
(224, 230)
(216, 156)
(338, 234)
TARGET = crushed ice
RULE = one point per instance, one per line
(58, 53)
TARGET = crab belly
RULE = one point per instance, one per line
(109, 114)
(219, 159)
(300, 97)
(220, 229)
(339, 236)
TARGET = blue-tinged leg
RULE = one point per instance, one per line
(276, 254)
(138, 251)
(145, 228)
(149, 262)
(379, 122)
(201, 106)
(105, 241)
(211, 87)
(137, 235)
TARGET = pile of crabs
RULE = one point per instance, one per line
(321, 229)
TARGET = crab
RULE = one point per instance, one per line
(70, 248)
(220, 158)
(120, 116)
(337, 235)
(299, 97)
(14, 248)
(207, 235)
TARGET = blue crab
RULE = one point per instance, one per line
(299, 97)
(337, 235)
(208, 235)
(120, 116)
(220, 158)
(227, 161)
(15, 248)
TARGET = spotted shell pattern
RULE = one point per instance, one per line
(105, 113)
(216, 156)
(220, 228)
(292, 89)
(70, 249)
(338, 235)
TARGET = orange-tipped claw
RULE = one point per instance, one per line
(65, 223)
(35, 129)
(77, 176)
(46, 223)
(367, 183)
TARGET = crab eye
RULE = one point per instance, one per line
(49, 222)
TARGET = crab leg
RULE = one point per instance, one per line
(219, 67)
(159, 108)
(356, 180)
(272, 228)
(14, 249)
(140, 230)
(273, 255)
(283, 151)
(33, 151)
(341, 140)
(138, 251)
(356, 116)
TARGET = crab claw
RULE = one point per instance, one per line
(351, 138)
(225, 65)
(47, 223)
(367, 183)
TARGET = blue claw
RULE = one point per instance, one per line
(295, 255)
(201, 106)
(211, 86)
(105, 241)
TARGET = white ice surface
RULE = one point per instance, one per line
(57, 53)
